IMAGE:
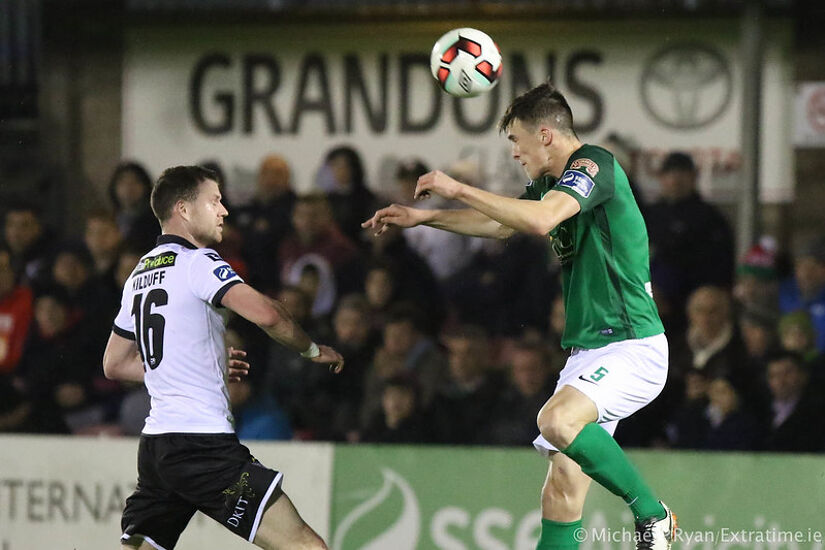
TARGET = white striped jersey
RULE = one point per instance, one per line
(170, 308)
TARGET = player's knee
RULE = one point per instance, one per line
(557, 427)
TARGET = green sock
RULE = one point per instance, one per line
(556, 535)
(601, 458)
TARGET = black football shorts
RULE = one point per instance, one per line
(181, 473)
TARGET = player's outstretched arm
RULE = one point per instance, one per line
(121, 360)
(466, 222)
(276, 321)
(525, 216)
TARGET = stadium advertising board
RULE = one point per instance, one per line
(236, 94)
(60, 492)
(487, 499)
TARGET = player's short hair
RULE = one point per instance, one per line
(179, 183)
(544, 103)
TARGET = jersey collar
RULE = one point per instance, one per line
(175, 239)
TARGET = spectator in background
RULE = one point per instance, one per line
(797, 335)
(445, 253)
(103, 240)
(266, 221)
(93, 303)
(29, 242)
(757, 284)
(355, 340)
(257, 413)
(504, 288)
(343, 181)
(712, 343)
(315, 232)
(400, 419)
(412, 278)
(16, 307)
(731, 426)
(127, 261)
(532, 378)
(691, 243)
(461, 410)
(405, 349)
(288, 379)
(314, 276)
(129, 189)
(806, 290)
(59, 366)
(796, 421)
(687, 425)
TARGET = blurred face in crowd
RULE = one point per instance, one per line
(677, 184)
(753, 290)
(757, 338)
(101, 237)
(309, 282)
(529, 149)
(810, 276)
(295, 302)
(69, 271)
(273, 178)
(696, 386)
(379, 286)
(785, 379)
(796, 338)
(398, 403)
(129, 190)
(341, 170)
(709, 311)
(351, 326)
(6, 274)
(722, 396)
(529, 371)
(399, 337)
(309, 219)
(467, 358)
(406, 188)
(206, 214)
(52, 316)
(22, 230)
(126, 263)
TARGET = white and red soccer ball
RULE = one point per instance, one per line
(466, 62)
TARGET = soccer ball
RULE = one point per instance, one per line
(466, 62)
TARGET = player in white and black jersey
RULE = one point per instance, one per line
(169, 334)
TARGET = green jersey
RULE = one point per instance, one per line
(603, 252)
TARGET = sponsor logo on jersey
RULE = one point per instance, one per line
(578, 182)
(224, 273)
(591, 167)
(164, 259)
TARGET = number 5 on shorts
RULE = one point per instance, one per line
(598, 374)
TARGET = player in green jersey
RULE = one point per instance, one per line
(579, 196)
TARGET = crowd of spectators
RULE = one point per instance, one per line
(447, 339)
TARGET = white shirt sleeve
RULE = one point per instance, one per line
(210, 276)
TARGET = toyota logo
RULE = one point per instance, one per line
(686, 86)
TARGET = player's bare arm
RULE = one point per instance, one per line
(525, 216)
(465, 221)
(276, 321)
(121, 360)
